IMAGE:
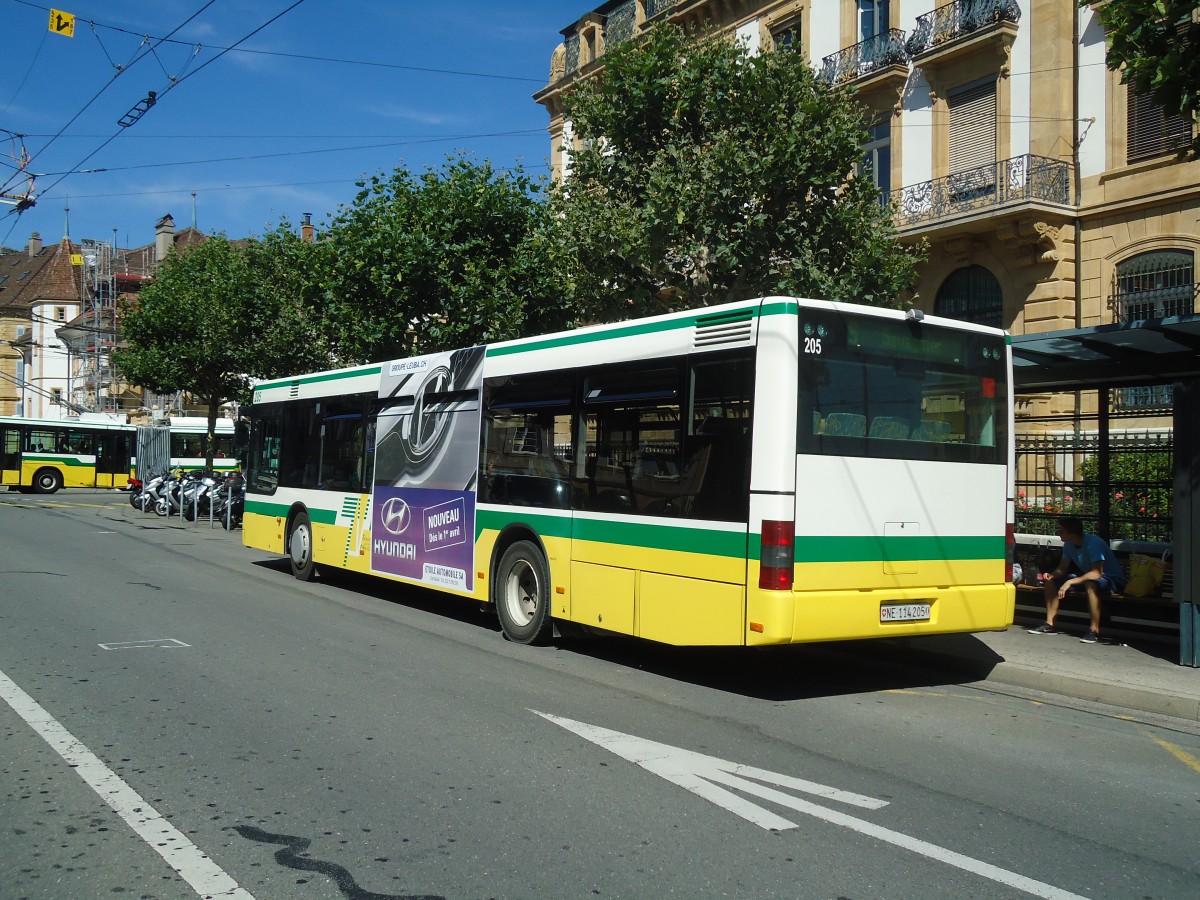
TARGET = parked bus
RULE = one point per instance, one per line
(43, 455)
(189, 443)
(762, 472)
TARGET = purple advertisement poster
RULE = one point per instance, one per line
(425, 534)
(426, 469)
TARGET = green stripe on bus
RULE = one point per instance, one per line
(655, 536)
(57, 460)
(318, 378)
(872, 548)
(267, 508)
(642, 328)
(548, 526)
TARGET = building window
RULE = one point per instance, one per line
(972, 142)
(55, 396)
(872, 18)
(1155, 285)
(1150, 130)
(60, 313)
(877, 155)
(971, 294)
(785, 35)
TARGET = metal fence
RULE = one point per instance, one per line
(1060, 474)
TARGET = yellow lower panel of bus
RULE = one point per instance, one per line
(688, 611)
(263, 532)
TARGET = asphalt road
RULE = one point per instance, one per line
(184, 719)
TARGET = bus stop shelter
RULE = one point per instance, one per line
(1135, 354)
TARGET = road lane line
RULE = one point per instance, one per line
(1178, 752)
(207, 878)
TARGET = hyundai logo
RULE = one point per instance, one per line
(395, 516)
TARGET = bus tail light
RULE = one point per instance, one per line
(776, 556)
(1010, 551)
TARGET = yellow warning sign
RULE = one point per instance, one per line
(62, 23)
(77, 259)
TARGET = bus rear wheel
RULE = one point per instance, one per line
(47, 481)
(522, 594)
(300, 547)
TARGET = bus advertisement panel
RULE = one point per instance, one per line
(426, 469)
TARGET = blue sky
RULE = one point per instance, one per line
(281, 125)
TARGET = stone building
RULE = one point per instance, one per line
(1050, 195)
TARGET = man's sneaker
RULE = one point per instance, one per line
(1044, 628)
(1092, 637)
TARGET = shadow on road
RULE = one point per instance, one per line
(768, 673)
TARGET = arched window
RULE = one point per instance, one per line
(971, 294)
(1155, 285)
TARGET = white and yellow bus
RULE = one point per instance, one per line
(42, 455)
(762, 472)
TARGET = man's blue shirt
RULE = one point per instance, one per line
(1095, 550)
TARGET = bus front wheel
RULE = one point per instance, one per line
(523, 594)
(300, 547)
(47, 481)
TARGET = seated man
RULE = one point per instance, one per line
(1088, 565)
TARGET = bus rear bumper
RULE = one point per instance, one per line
(802, 616)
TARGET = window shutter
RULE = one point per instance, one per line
(1150, 130)
(972, 127)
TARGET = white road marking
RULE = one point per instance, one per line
(697, 773)
(159, 643)
(208, 879)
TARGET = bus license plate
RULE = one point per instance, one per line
(904, 612)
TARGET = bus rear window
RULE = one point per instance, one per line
(884, 388)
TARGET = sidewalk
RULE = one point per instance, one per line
(1144, 676)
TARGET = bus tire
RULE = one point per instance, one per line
(47, 481)
(300, 547)
(522, 594)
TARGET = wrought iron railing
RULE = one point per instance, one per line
(955, 20)
(1021, 178)
(1058, 474)
(865, 57)
(1158, 303)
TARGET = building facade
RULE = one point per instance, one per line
(59, 323)
(1050, 196)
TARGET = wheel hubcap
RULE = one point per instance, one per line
(301, 545)
(521, 592)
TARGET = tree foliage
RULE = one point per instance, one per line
(1156, 44)
(448, 258)
(216, 316)
(708, 174)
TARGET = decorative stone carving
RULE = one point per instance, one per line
(558, 63)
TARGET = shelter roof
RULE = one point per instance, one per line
(1127, 354)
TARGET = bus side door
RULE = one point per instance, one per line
(10, 455)
(113, 459)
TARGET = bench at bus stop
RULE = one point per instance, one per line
(1153, 615)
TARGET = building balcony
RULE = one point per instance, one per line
(958, 27)
(878, 56)
(1013, 184)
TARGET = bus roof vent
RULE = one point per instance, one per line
(294, 391)
(724, 329)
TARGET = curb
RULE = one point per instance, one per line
(1095, 691)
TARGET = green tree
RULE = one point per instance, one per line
(708, 174)
(1156, 44)
(449, 258)
(217, 316)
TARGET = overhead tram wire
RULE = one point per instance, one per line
(106, 86)
(330, 59)
(74, 169)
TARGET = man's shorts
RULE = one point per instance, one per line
(1104, 585)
